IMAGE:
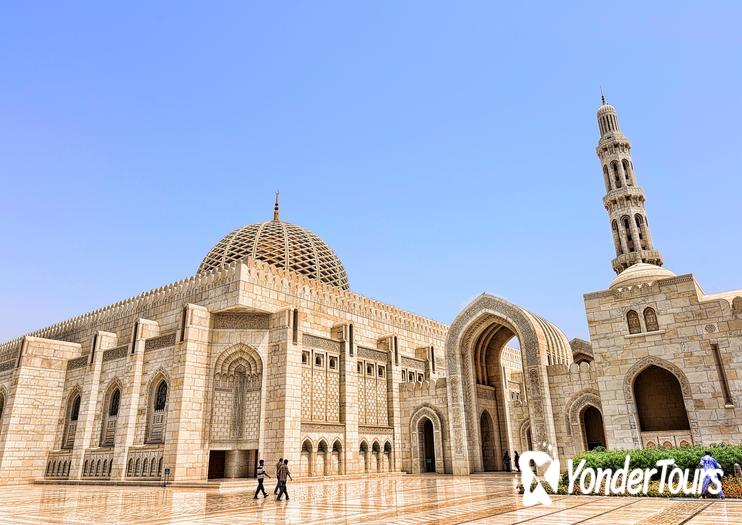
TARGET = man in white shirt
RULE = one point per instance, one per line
(261, 476)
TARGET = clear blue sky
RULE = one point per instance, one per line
(442, 149)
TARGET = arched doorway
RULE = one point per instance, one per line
(659, 401)
(322, 463)
(593, 434)
(388, 464)
(489, 462)
(426, 442)
(305, 459)
(428, 445)
(337, 458)
(363, 453)
(474, 348)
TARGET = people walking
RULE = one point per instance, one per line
(278, 467)
(709, 474)
(506, 461)
(516, 461)
(261, 475)
(283, 475)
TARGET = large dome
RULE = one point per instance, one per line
(283, 245)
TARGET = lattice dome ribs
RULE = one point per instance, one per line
(281, 244)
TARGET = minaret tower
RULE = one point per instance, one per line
(624, 199)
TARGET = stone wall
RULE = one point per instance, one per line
(691, 325)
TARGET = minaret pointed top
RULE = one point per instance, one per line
(602, 97)
(275, 208)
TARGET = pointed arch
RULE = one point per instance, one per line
(627, 172)
(540, 342)
(158, 396)
(650, 319)
(685, 389)
(110, 411)
(364, 454)
(238, 384)
(574, 410)
(306, 457)
(71, 415)
(616, 174)
(632, 320)
(421, 417)
(3, 402)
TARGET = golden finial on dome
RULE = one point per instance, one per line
(275, 208)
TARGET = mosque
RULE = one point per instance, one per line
(266, 352)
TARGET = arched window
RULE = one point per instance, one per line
(157, 413)
(640, 225)
(75, 414)
(113, 409)
(606, 178)
(632, 319)
(616, 238)
(627, 230)
(70, 425)
(650, 320)
(108, 429)
(616, 174)
(161, 398)
(627, 171)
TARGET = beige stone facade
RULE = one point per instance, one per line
(267, 353)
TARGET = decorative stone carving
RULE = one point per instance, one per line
(78, 362)
(241, 321)
(322, 343)
(413, 363)
(116, 353)
(373, 354)
(163, 341)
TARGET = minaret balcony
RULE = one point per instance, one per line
(615, 196)
(625, 260)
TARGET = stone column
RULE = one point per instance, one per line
(395, 405)
(349, 400)
(131, 392)
(282, 379)
(186, 454)
(86, 436)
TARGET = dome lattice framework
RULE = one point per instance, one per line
(283, 245)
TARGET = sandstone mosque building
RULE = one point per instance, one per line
(266, 352)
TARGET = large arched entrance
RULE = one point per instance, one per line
(474, 348)
(659, 401)
(592, 428)
(488, 442)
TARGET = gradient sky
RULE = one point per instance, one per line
(442, 149)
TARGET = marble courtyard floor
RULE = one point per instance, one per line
(404, 499)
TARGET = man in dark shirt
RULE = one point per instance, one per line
(278, 467)
(283, 474)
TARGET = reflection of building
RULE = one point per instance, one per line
(266, 352)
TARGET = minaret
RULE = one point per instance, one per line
(624, 199)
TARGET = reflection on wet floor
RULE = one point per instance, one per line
(403, 499)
